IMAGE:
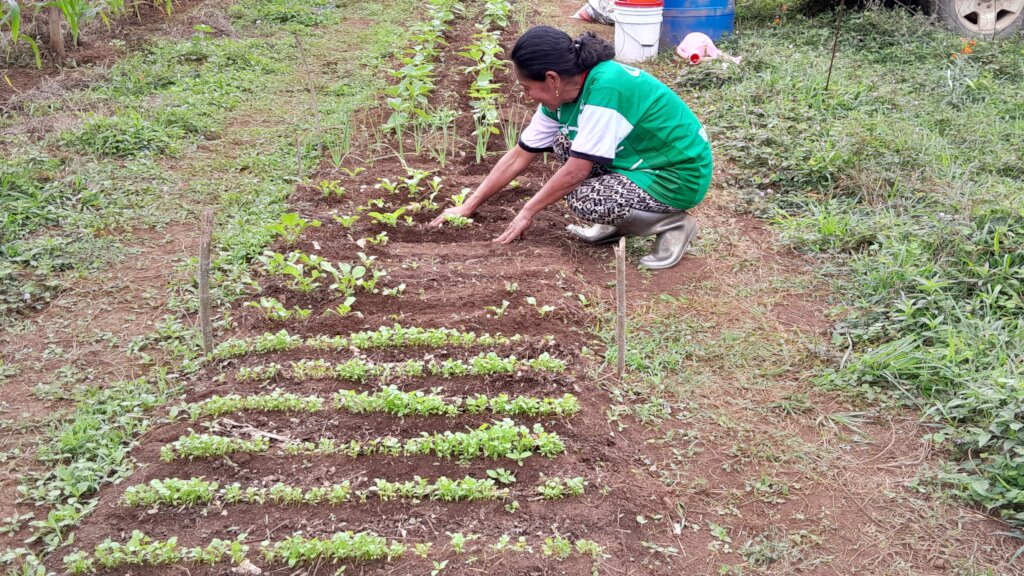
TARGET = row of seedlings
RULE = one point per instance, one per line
(297, 549)
(485, 94)
(408, 98)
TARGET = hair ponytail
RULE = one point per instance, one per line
(591, 50)
(544, 49)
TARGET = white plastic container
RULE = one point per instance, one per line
(637, 30)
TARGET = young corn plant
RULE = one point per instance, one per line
(11, 20)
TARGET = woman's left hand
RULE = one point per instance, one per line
(515, 229)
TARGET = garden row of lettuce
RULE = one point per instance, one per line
(389, 400)
(178, 492)
(299, 549)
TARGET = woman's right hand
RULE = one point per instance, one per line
(462, 210)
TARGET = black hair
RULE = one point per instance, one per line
(544, 49)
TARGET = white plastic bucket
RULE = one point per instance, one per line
(637, 30)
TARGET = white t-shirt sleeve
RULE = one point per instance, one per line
(539, 135)
(600, 132)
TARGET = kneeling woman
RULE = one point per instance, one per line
(635, 157)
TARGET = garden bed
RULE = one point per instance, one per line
(541, 292)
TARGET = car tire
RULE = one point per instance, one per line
(981, 18)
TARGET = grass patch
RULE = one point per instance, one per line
(906, 172)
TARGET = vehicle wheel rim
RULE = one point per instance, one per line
(988, 16)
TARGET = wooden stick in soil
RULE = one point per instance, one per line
(835, 45)
(53, 19)
(205, 239)
(313, 101)
(620, 306)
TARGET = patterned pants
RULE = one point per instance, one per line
(606, 197)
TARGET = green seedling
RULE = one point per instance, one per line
(457, 221)
(331, 188)
(558, 547)
(542, 310)
(371, 204)
(387, 185)
(352, 173)
(273, 309)
(498, 311)
(460, 198)
(390, 218)
(502, 475)
(297, 266)
(345, 307)
(290, 226)
(380, 239)
(422, 549)
(558, 488)
(346, 221)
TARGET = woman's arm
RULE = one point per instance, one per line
(505, 170)
(568, 177)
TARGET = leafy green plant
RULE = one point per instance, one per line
(276, 401)
(331, 188)
(460, 198)
(273, 309)
(302, 271)
(344, 307)
(542, 310)
(498, 311)
(502, 475)
(290, 226)
(209, 445)
(458, 221)
(360, 370)
(395, 336)
(505, 544)
(460, 540)
(170, 492)
(346, 221)
(297, 549)
(390, 218)
(124, 135)
(557, 488)
(76, 13)
(13, 523)
(10, 17)
(141, 550)
(557, 547)
(502, 439)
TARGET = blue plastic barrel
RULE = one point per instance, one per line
(680, 17)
